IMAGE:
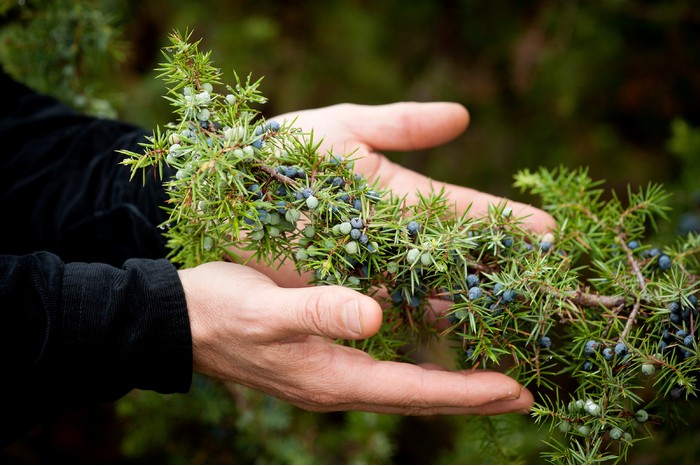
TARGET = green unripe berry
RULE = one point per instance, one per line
(426, 259)
(336, 230)
(392, 267)
(231, 99)
(312, 202)
(302, 254)
(292, 216)
(309, 231)
(248, 152)
(273, 231)
(351, 247)
(345, 228)
(412, 255)
(203, 114)
(615, 433)
(627, 437)
(257, 235)
(594, 409)
(584, 430)
(208, 87)
(648, 368)
(208, 243)
(274, 218)
(353, 280)
(564, 426)
(641, 416)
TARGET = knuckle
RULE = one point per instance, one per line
(312, 315)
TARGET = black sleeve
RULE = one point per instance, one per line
(98, 311)
(79, 333)
(62, 188)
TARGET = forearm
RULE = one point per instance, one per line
(63, 188)
(77, 333)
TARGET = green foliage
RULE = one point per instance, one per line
(593, 285)
(85, 45)
(220, 424)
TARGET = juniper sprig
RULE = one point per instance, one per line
(597, 320)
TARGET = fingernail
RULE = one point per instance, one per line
(351, 317)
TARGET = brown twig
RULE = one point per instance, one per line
(632, 318)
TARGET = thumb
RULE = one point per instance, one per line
(329, 311)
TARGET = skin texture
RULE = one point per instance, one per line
(264, 328)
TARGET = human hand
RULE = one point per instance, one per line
(398, 127)
(365, 130)
(247, 330)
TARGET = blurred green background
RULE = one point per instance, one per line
(613, 85)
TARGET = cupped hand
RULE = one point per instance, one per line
(367, 130)
(247, 330)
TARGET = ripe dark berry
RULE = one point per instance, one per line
(364, 239)
(685, 313)
(587, 366)
(664, 262)
(472, 280)
(355, 233)
(306, 192)
(357, 205)
(681, 334)
(273, 125)
(498, 287)
(258, 143)
(667, 336)
(608, 354)
(620, 349)
(356, 223)
(688, 341)
(591, 347)
(674, 308)
(255, 189)
(507, 242)
(675, 319)
(397, 296)
(475, 293)
(469, 352)
(509, 296)
(633, 244)
(545, 246)
(545, 342)
(413, 227)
